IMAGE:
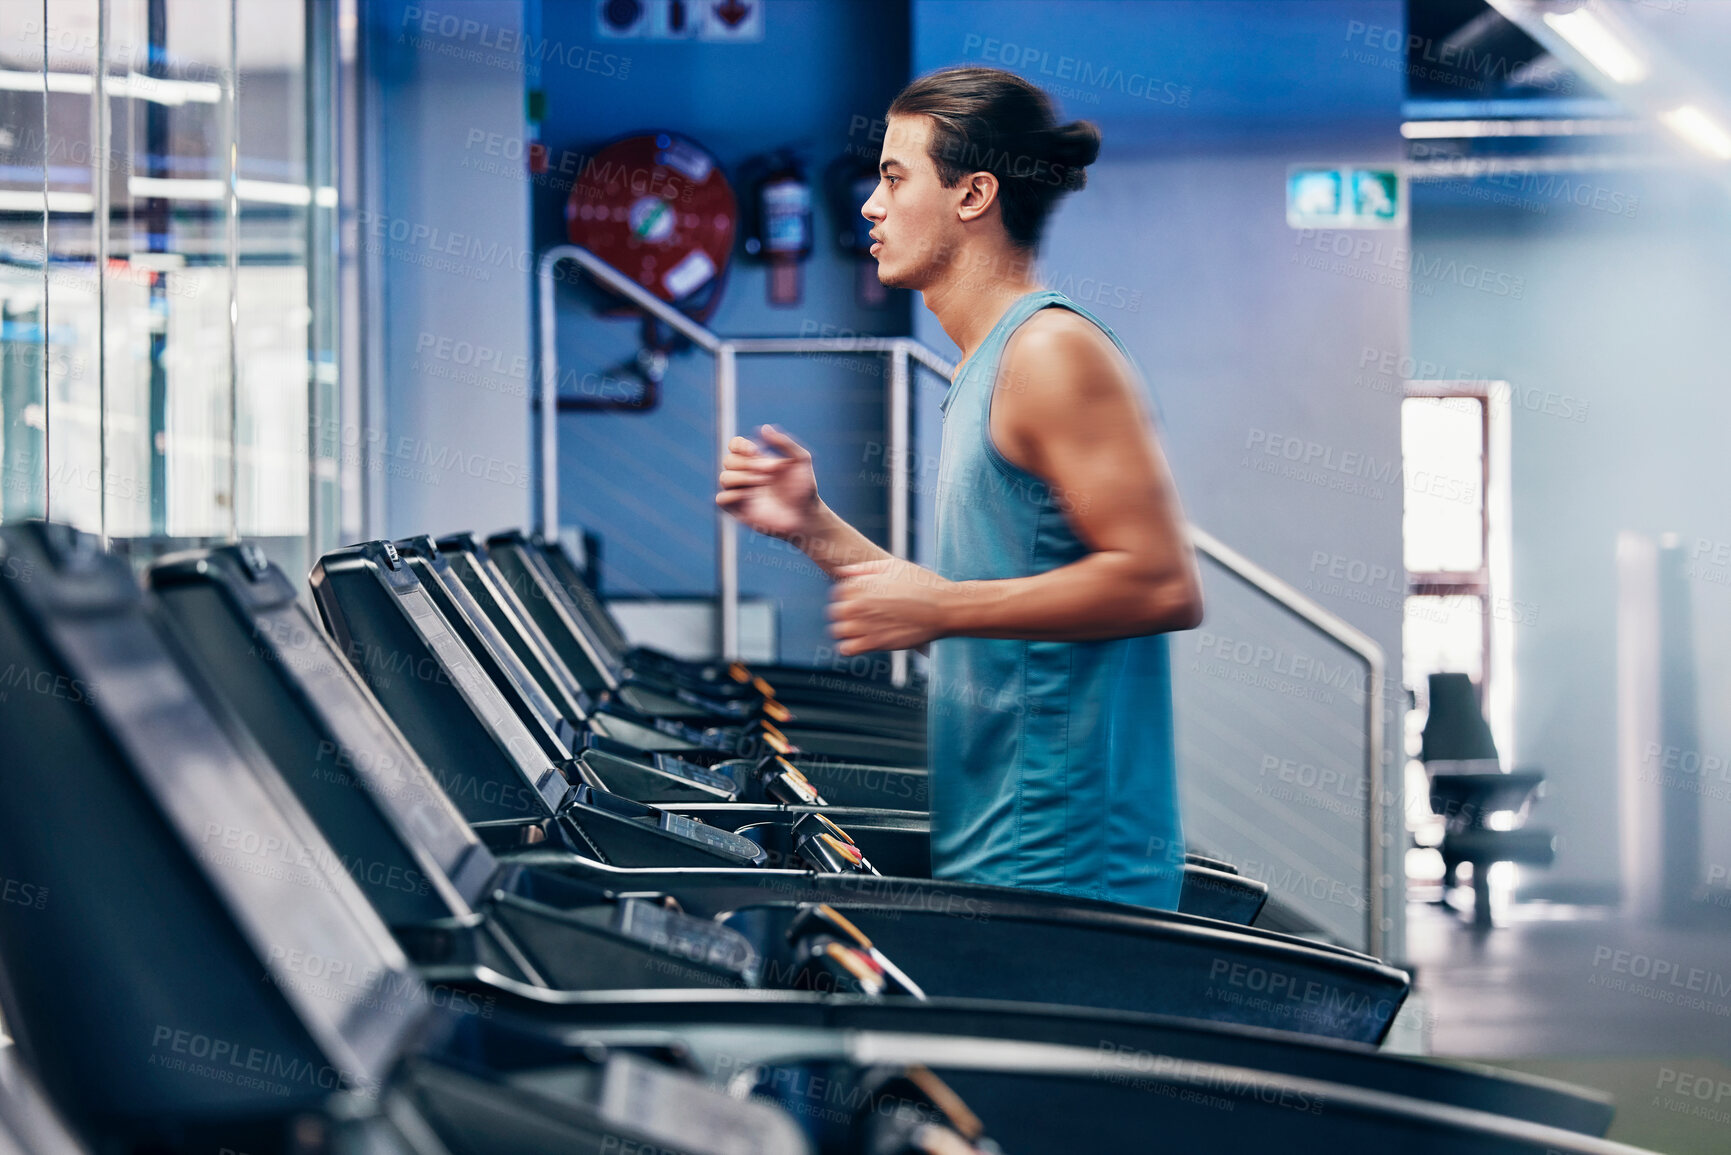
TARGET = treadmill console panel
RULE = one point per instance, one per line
(714, 838)
(684, 936)
(447, 660)
(692, 772)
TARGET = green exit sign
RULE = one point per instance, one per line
(1344, 197)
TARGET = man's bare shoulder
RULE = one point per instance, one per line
(1058, 355)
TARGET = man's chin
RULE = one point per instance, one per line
(891, 278)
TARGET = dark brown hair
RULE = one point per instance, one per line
(989, 120)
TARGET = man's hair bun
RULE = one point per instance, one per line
(1075, 146)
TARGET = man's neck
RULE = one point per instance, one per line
(976, 290)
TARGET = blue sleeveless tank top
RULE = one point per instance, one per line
(1052, 762)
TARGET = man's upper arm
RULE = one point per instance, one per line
(1068, 409)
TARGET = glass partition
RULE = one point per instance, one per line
(25, 347)
(181, 148)
(1272, 742)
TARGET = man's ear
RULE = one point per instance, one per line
(979, 194)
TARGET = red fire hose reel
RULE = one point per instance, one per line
(657, 208)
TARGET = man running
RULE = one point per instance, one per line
(1061, 550)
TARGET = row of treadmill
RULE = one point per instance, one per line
(445, 865)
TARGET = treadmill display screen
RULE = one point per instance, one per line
(712, 837)
(291, 688)
(666, 763)
(490, 705)
(633, 734)
(691, 734)
(692, 772)
(714, 706)
(686, 937)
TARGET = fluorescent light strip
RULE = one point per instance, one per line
(16, 200)
(1589, 36)
(177, 188)
(12, 80)
(257, 191)
(135, 85)
(254, 191)
(165, 91)
(1699, 129)
(282, 193)
(273, 192)
(1468, 168)
(1461, 129)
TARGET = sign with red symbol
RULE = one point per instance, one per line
(718, 21)
(732, 20)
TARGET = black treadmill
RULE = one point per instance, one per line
(227, 610)
(204, 973)
(899, 846)
(840, 781)
(524, 571)
(840, 693)
(253, 952)
(896, 843)
(198, 590)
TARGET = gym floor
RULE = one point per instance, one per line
(1569, 993)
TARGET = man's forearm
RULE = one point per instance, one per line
(832, 543)
(1104, 595)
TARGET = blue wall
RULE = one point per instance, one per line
(1624, 314)
(646, 481)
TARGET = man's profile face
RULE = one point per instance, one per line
(913, 215)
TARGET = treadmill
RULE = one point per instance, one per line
(895, 783)
(204, 973)
(122, 745)
(524, 571)
(941, 930)
(198, 601)
(897, 844)
(841, 782)
(839, 693)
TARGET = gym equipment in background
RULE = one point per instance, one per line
(126, 751)
(1468, 785)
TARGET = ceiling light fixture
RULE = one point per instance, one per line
(1589, 36)
(1699, 129)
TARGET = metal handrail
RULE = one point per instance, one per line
(903, 352)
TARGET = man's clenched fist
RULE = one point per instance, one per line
(889, 605)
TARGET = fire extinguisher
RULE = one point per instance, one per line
(781, 228)
(851, 182)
